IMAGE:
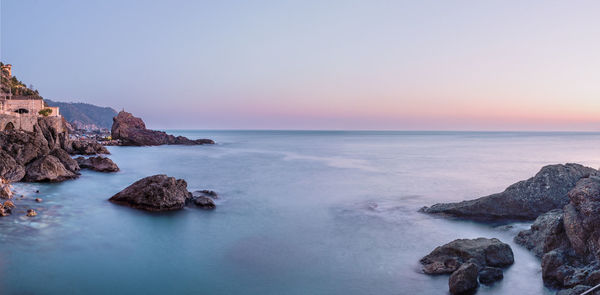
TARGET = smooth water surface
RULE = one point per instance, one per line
(300, 213)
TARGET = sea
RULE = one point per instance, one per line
(299, 212)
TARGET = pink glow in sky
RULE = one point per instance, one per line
(392, 65)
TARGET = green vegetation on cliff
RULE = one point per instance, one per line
(14, 86)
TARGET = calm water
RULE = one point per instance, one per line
(301, 213)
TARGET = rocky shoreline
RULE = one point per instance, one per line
(564, 200)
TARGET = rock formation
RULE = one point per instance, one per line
(100, 164)
(154, 193)
(131, 130)
(526, 200)
(38, 155)
(466, 260)
(87, 147)
(568, 240)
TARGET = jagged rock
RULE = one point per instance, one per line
(47, 169)
(464, 279)
(527, 199)
(66, 160)
(9, 168)
(87, 147)
(154, 193)
(100, 164)
(131, 130)
(546, 234)
(489, 275)
(569, 240)
(484, 252)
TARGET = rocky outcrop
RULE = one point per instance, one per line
(100, 164)
(9, 168)
(569, 239)
(464, 279)
(526, 200)
(154, 193)
(459, 257)
(24, 156)
(203, 199)
(47, 169)
(87, 147)
(131, 130)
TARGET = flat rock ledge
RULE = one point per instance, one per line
(160, 193)
(524, 200)
(467, 260)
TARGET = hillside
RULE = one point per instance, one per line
(84, 113)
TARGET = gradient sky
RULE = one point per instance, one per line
(401, 65)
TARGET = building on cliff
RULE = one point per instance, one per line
(20, 111)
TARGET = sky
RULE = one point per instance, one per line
(326, 64)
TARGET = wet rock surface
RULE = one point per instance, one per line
(468, 259)
(131, 130)
(100, 164)
(47, 169)
(569, 239)
(154, 193)
(464, 279)
(525, 200)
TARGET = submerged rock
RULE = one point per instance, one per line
(100, 164)
(132, 130)
(489, 275)
(527, 199)
(31, 213)
(205, 202)
(484, 252)
(154, 193)
(48, 169)
(464, 279)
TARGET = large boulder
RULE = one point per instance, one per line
(131, 130)
(47, 169)
(526, 200)
(482, 251)
(154, 193)
(100, 164)
(9, 168)
(464, 279)
(66, 159)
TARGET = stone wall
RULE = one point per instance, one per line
(18, 122)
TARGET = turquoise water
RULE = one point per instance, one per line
(300, 213)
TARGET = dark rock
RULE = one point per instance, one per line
(38, 200)
(154, 193)
(489, 275)
(66, 160)
(464, 279)
(9, 168)
(87, 147)
(205, 202)
(577, 290)
(31, 213)
(131, 130)
(206, 193)
(484, 252)
(546, 234)
(527, 199)
(100, 164)
(47, 169)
